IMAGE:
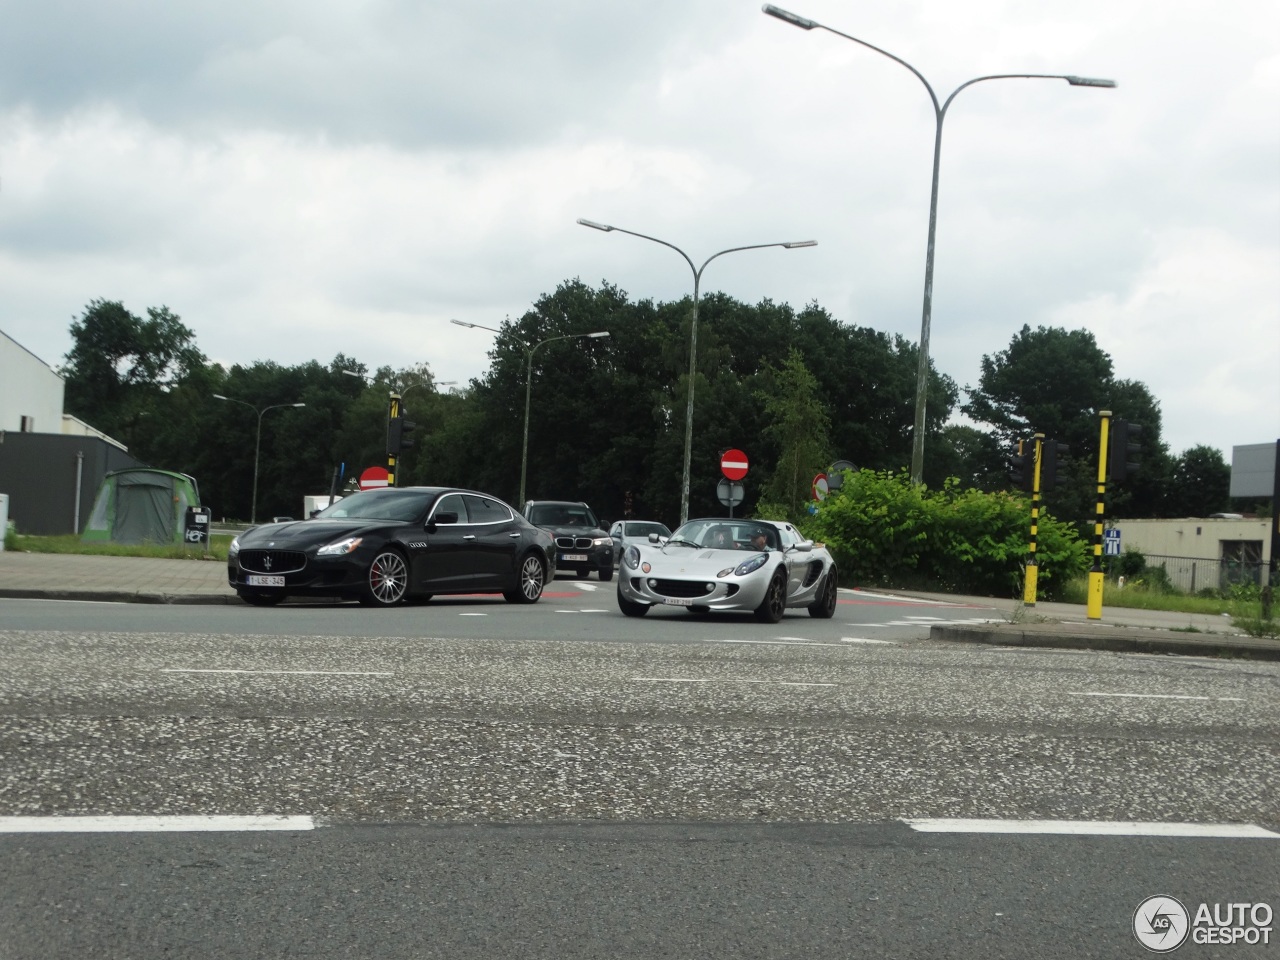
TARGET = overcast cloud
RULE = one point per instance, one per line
(301, 179)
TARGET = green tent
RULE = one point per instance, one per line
(141, 505)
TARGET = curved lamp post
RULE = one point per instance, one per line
(693, 332)
(939, 112)
(528, 384)
(257, 447)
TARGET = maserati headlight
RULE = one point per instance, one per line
(753, 564)
(340, 548)
(233, 551)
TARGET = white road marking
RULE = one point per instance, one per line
(926, 619)
(109, 824)
(1117, 828)
(1149, 696)
(778, 643)
(299, 673)
(584, 585)
(865, 640)
(896, 599)
(473, 614)
(776, 683)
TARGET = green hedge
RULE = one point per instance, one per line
(884, 530)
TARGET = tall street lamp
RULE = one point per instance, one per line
(528, 384)
(257, 447)
(922, 374)
(693, 332)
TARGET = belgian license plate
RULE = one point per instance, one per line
(260, 580)
(678, 601)
(570, 557)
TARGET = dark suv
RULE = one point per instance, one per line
(581, 543)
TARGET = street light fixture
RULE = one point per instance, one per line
(693, 331)
(528, 384)
(922, 374)
(257, 448)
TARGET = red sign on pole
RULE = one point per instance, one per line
(733, 464)
(374, 478)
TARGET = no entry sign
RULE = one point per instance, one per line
(373, 478)
(733, 464)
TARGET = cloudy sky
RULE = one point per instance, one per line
(298, 179)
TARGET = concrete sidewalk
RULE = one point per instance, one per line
(140, 580)
(1121, 629)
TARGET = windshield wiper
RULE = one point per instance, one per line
(687, 543)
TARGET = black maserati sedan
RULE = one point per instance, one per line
(396, 545)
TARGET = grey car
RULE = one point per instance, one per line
(761, 567)
(627, 532)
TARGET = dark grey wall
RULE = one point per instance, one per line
(38, 472)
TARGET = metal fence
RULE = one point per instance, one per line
(1193, 574)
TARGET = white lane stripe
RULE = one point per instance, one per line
(1108, 828)
(1149, 696)
(473, 614)
(778, 683)
(889, 643)
(298, 673)
(110, 824)
(776, 643)
(925, 619)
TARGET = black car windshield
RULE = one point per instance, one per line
(562, 515)
(379, 505)
(642, 528)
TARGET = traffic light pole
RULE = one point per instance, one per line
(393, 449)
(1096, 578)
(1033, 571)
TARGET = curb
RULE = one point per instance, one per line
(118, 596)
(1115, 639)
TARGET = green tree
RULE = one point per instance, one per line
(1055, 382)
(1201, 484)
(119, 363)
(798, 425)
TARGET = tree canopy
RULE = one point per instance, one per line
(795, 389)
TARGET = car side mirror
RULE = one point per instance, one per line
(804, 546)
(445, 517)
(654, 537)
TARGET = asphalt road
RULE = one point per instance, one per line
(479, 779)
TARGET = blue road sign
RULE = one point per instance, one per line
(1111, 543)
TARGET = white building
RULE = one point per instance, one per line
(31, 392)
(1201, 552)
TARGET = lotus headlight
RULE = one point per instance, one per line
(752, 564)
(632, 557)
(234, 549)
(341, 548)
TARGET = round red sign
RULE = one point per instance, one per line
(733, 464)
(373, 478)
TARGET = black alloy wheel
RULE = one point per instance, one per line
(533, 575)
(387, 580)
(774, 604)
(824, 606)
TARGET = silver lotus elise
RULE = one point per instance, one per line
(757, 566)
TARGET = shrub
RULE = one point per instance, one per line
(883, 529)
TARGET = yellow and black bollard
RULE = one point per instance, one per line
(394, 422)
(1033, 570)
(1096, 577)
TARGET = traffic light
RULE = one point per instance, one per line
(1052, 456)
(1022, 466)
(1123, 450)
(399, 435)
